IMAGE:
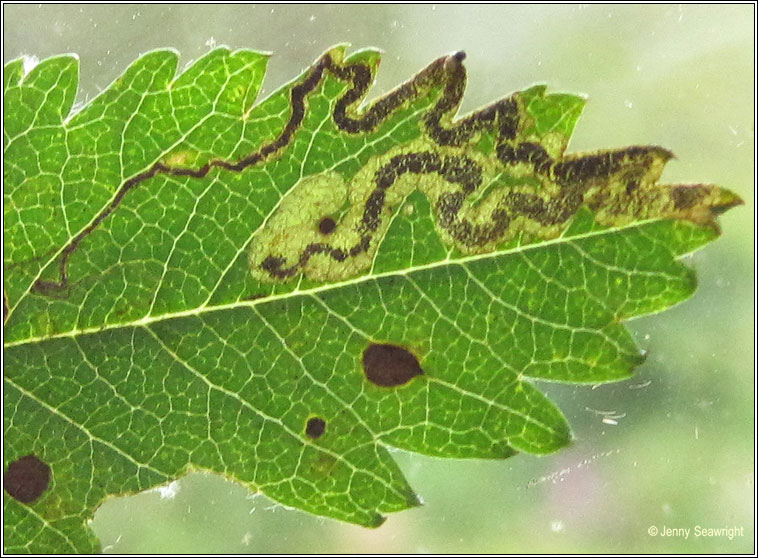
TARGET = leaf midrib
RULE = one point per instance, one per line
(201, 310)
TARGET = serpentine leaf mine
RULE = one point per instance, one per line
(529, 186)
(278, 291)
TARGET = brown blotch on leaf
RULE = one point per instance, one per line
(686, 197)
(327, 225)
(27, 478)
(315, 427)
(390, 365)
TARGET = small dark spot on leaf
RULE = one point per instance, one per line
(27, 478)
(254, 296)
(326, 225)
(315, 427)
(390, 365)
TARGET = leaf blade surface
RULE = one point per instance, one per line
(180, 307)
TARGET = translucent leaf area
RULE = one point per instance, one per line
(279, 290)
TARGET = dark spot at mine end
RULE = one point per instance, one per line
(390, 365)
(315, 427)
(326, 225)
(27, 478)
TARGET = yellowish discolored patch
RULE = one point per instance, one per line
(180, 159)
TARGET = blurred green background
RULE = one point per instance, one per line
(681, 453)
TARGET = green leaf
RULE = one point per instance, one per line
(278, 292)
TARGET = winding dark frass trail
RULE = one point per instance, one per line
(502, 117)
